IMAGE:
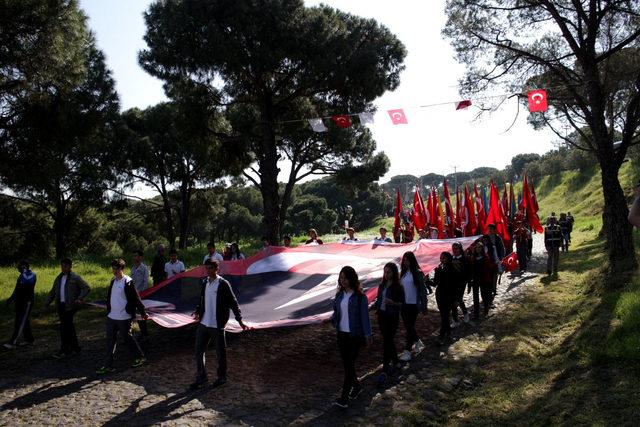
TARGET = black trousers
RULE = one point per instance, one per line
(445, 308)
(349, 347)
(388, 327)
(521, 250)
(409, 316)
(68, 337)
(123, 328)
(204, 335)
(459, 302)
(484, 291)
(21, 324)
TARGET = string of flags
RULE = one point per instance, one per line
(537, 100)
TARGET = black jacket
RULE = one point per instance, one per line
(226, 300)
(24, 290)
(157, 267)
(462, 270)
(395, 294)
(444, 280)
(133, 299)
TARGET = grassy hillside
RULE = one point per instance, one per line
(569, 353)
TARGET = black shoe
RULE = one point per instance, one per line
(219, 382)
(341, 402)
(59, 355)
(198, 385)
(356, 391)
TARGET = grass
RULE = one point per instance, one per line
(569, 353)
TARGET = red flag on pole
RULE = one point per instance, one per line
(449, 219)
(472, 225)
(528, 206)
(505, 200)
(439, 216)
(496, 216)
(396, 214)
(459, 209)
(534, 198)
(479, 206)
(419, 216)
(510, 262)
(431, 208)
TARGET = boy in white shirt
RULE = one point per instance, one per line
(174, 266)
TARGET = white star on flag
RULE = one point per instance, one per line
(317, 125)
(366, 118)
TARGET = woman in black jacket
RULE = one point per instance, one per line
(415, 301)
(388, 304)
(444, 280)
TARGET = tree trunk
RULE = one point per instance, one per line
(616, 226)
(168, 216)
(268, 170)
(185, 210)
(60, 228)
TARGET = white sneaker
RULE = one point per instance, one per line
(466, 318)
(9, 346)
(405, 356)
(454, 324)
(419, 346)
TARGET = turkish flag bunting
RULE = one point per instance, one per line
(398, 117)
(342, 120)
(510, 262)
(463, 104)
(537, 100)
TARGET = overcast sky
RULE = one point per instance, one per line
(435, 139)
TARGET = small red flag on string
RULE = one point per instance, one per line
(537, 100)
(342, 120)
(461, 105)
(397, 116)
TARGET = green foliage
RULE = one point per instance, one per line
(310, 211)
(275, 60)
(68, 135)
(519, 161)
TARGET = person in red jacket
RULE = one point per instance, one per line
(482, 269)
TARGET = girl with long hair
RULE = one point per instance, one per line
(351, 320)
(388, 305)
(415, 301)
(444, 279)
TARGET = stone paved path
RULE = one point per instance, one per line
(277, 377)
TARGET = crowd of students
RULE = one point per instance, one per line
(402, 295)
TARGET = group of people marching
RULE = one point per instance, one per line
(402, 295)
(557, 237)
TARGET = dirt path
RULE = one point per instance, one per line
(277, 377)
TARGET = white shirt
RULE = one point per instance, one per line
(173, 268)
(118, 300)
(211, 301)
(63, 283)
(410, 293)
(215, 257)
(238, 256)
(343, 324)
